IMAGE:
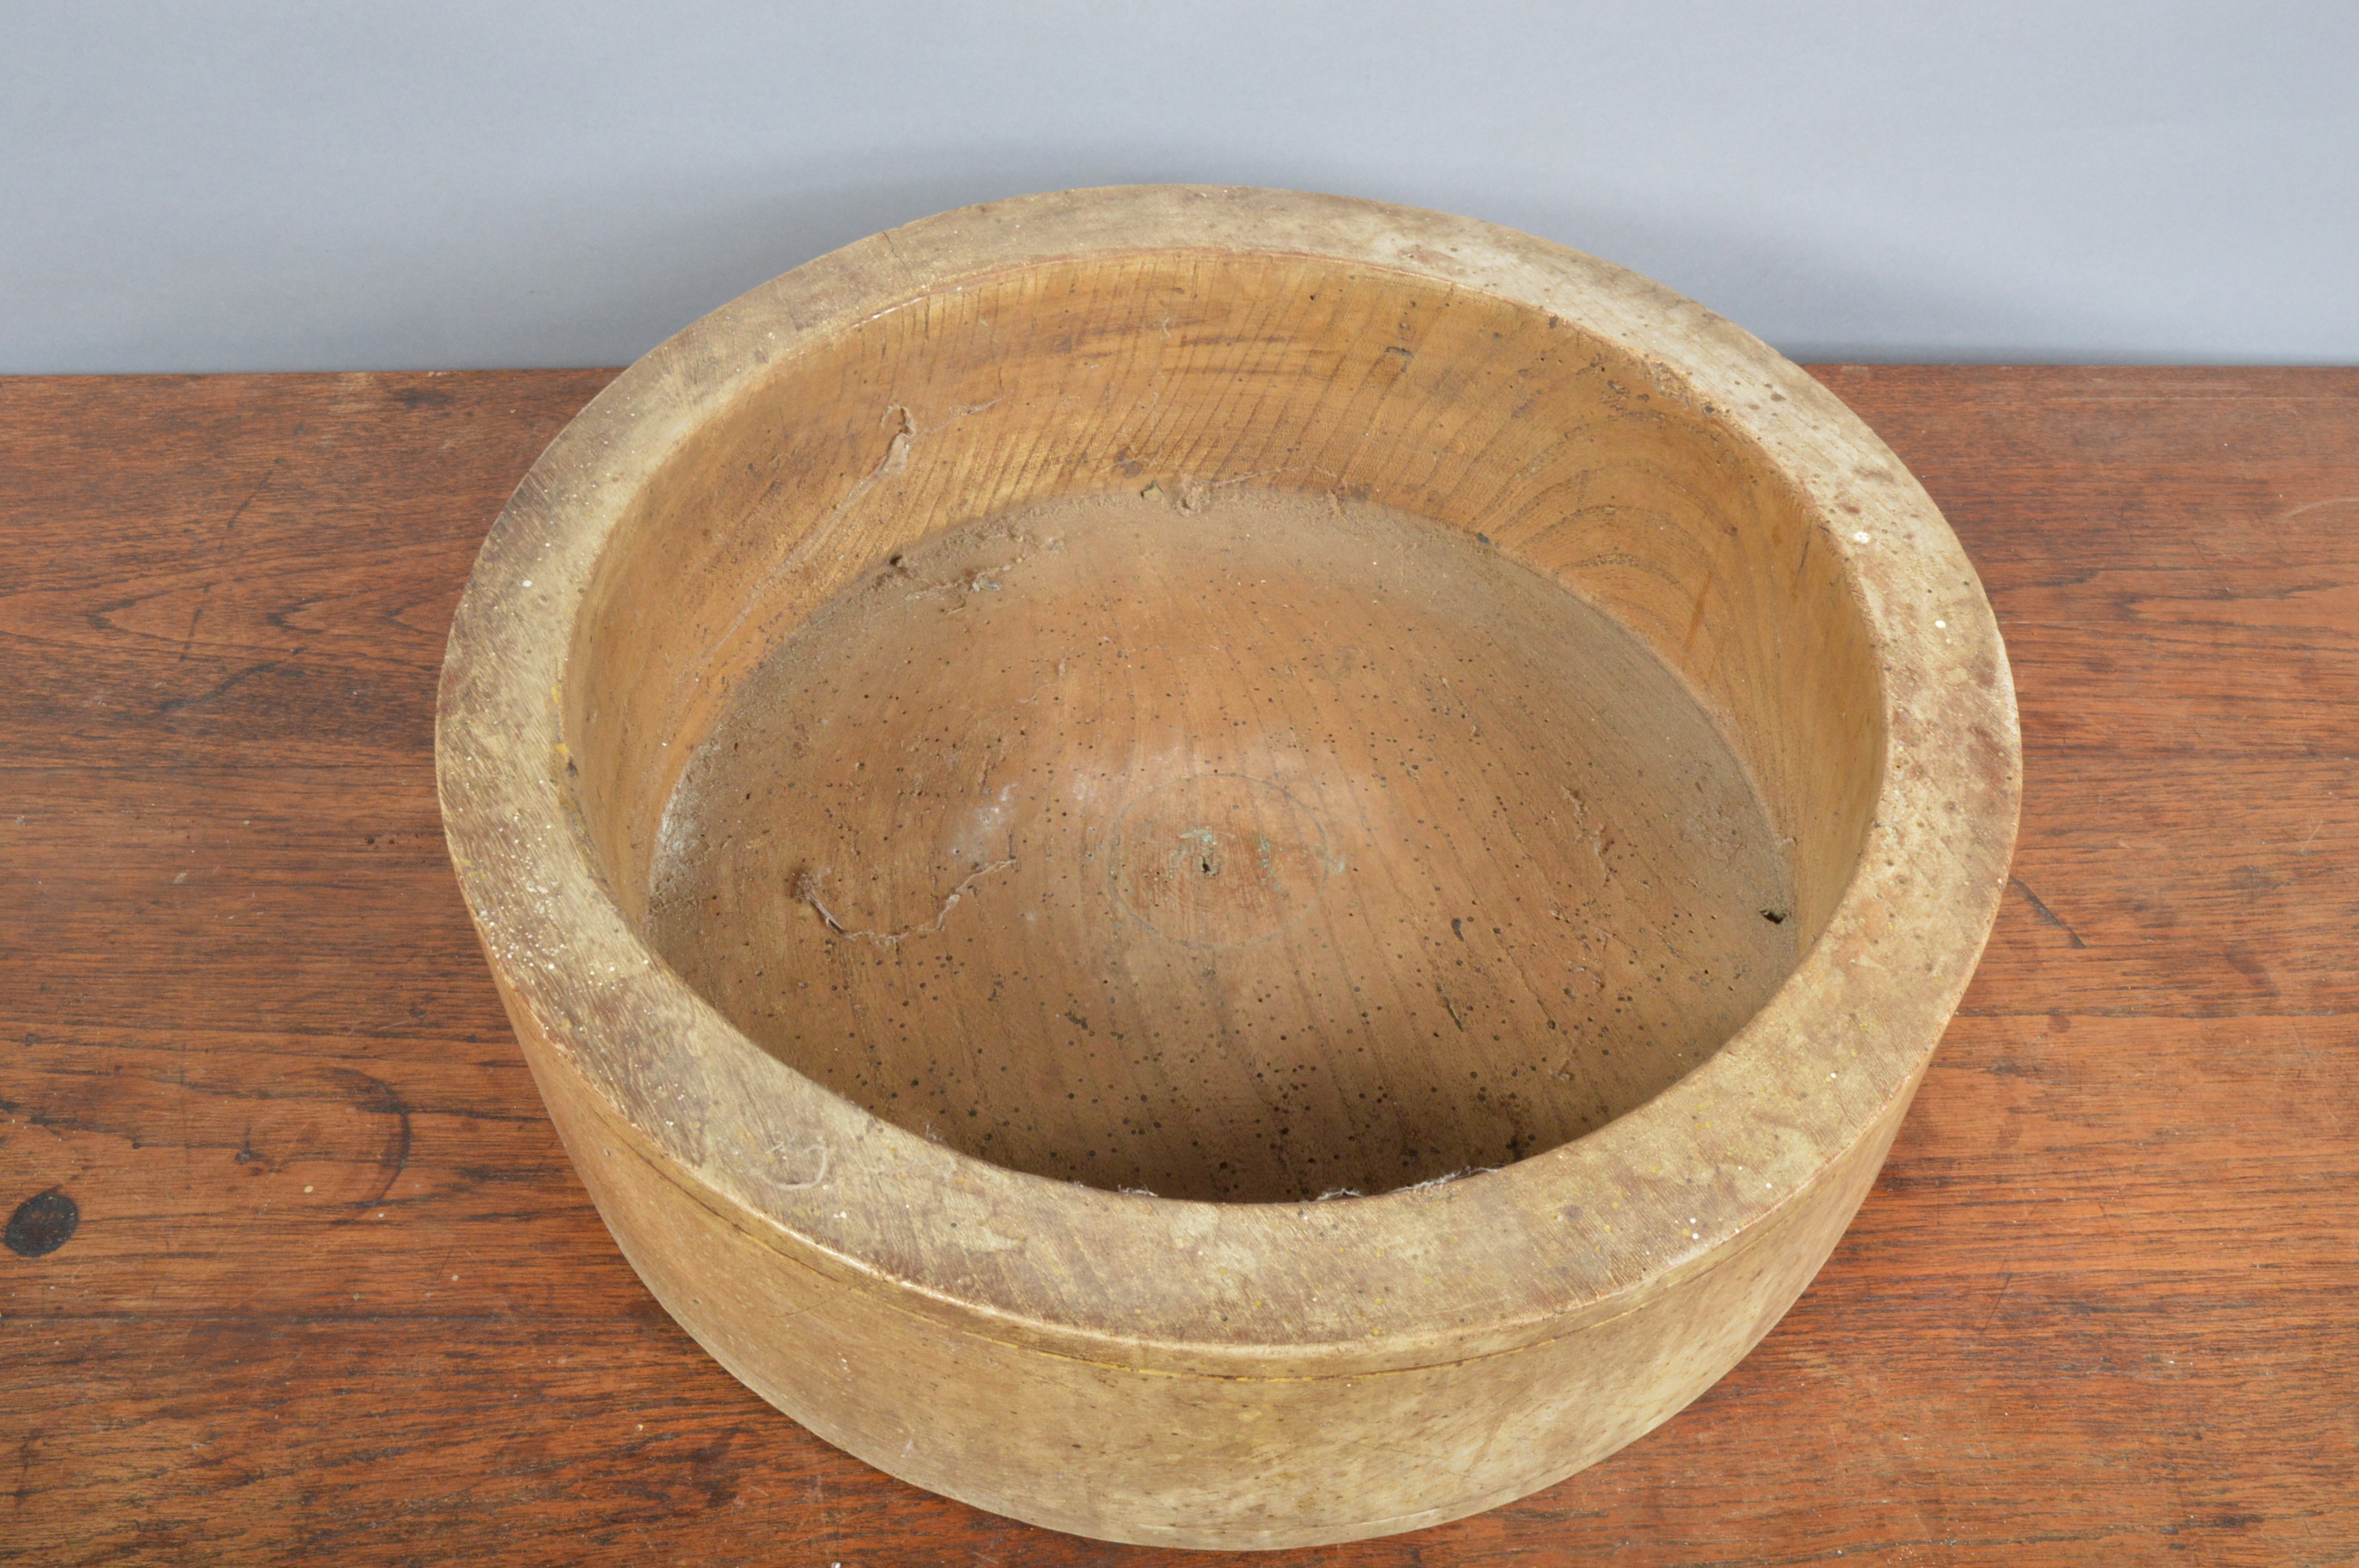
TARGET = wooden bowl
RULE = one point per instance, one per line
(1221, 868)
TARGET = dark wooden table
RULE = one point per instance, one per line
(333, 1295)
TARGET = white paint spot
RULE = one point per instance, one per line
(1855, 539)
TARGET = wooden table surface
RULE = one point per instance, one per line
(333, 1294)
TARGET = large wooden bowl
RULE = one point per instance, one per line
(1221, 868)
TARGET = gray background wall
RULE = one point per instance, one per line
(241, 186)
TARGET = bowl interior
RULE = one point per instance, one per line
(1226, 725)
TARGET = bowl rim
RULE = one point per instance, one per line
(1573, 1235)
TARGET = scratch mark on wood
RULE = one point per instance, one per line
(806, 890)
(182, 704)
(370, 1093)
(2046, 914)
(260, 485)
(189, 640)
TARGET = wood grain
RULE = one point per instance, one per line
(2098, 1308)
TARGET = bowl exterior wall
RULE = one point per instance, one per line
(1266, 1456)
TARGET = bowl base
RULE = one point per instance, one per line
(1224, 842)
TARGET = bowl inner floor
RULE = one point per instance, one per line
(1227, 843)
